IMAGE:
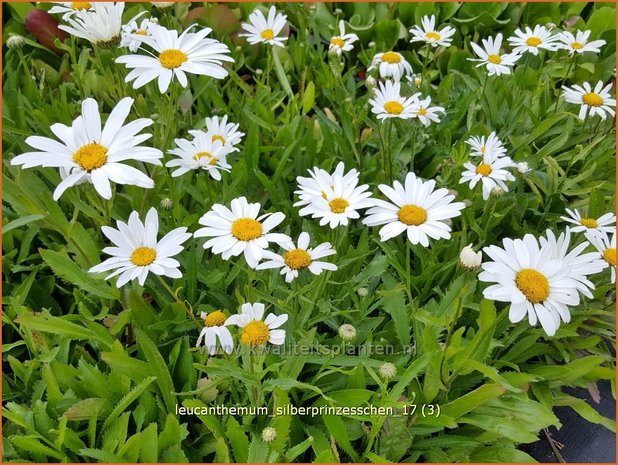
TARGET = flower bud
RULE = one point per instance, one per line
(269, 434)
(15, 41)
(497, 191)
(259, 71)
(362, 292)
(470, 259)
(45, 28)
(166, 203)
(522, 167)
(347, 332)
(387, 371)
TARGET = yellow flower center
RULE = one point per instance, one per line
(219, 138)
(91, 156)
(297, 259)
(483, 149)
(533, 41)
(432, 35)
(143, 256)
(172, 58)
(338, 205)
(256, 333)
(246, 229)
(577, 45)
(141, 32)
(216, 318)
(422, 112)
(267, 34)
(610, 256)
(589, 223)
(412, 215)
(212, 160)
(81, 5)
(483, 169)
(337, 42)
(532, 284)
(495, 59)
(391, 57)
(393, 107)
(592, 99)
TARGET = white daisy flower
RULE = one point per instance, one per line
(490, 56)
(339, 203)
(606, 247)
(133, 33)
(320, 182)
(605, 224)
(100, 25)
(532, 40)
(482, 145)
(426, 113)
(240, 230)
(343, 42)
(298, 258)
(266, 30)
(415, 208)
(490, 172)
(215, 328)
(532, 280)
(391, 65)
(581, 265)
(255, 331)
(388, 103)
(522, 167)
(227, 133)
(175, 56)
(578, 43)
(200, 153)
(595, 101)
(68, 9)
(92, 154)
(137, 252)
(430, 35)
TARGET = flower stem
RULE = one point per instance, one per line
(178, 301)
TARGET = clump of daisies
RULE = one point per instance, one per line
(593, 101)
(261, 29)
(492, 58)
(388, 102)
(429, 34)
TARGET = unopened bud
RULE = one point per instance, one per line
(347, 332)
(470, 259)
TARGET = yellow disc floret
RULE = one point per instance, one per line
(592, 99)
(297, 259)
(577, 45)
(256, 333)
(219, 138)
(412, 215)
(432, 35)
(495, 59)
(393, 107)
(267, 34)
(337, 42)
(172, 58)
(143, 256)
(338, 205)
(91, 156)
(532, 284)
(533, 41)
(216, 318)
(589, 223)
(81, 5)
(610, 256)
(391, 57)
(246, 229)
(483, 169)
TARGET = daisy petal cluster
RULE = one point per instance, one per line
(388, 102)
(604, 224)
(200, 153)
(426, 113)
(492, 58)
(68, 9)
(342, 42)
(215, 328)
(482, 145)
(579, 42)
(255, 329)
(226, 132)
(428, 33)
(595, 101)
(391, 65)
(265, 30)
(606, 246)
(533, 40)
(100, 23)
(491, 172)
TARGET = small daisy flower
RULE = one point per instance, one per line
(490, 56)
(89, 153)
(240, 230)
(532, 280)
(388, 103)
(338, 204)
(265, 30)
(426, 113)
(489, 145)
(606, 247)
(415, 208)
(227, 133)
(215, 328)
(532, 40)
(100, 24)
(298, 258)
(578, 43)
(255, 331)
(595, 101)
(174, 56)
(430, 35)
(391, 65)
(133, 32)
(605, 224)
(490, 172)
(68, 9)
(343, 42)
(199, 153)
(320, 182)
(137, 252)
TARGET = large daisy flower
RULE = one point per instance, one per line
(532, 280)
(175, 56)
(595, 101)
(391, 65)
(137, 252)
(491, 172)
(266, 30)
(532, 40)
(227, 133)
(133, 33)
(415, 208)
(92, 154)
(200, 153)
(100, 24)
(299, 257)
(579, 43)
(605, 224)
(255, 331)
(387, 102)
(425, 113)
(430, 35)
(240, 230)
(343, 42)
(68, 9)
(606, 247)
(215, 327)
(489, 145)
(320, 182)
(489, 56)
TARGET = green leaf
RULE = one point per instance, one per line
(159, 368)
(19, 222)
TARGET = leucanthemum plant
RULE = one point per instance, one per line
(492, 171)
(491, 57)
(533, 40)
(215, 329)
(391, 65)
(224, 131)
(593, 102)
(261, 29)
(579, 42)
(344, 42)
(429, 34)
(604, 224)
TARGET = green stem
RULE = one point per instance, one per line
(178, 301)
(451, 327)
